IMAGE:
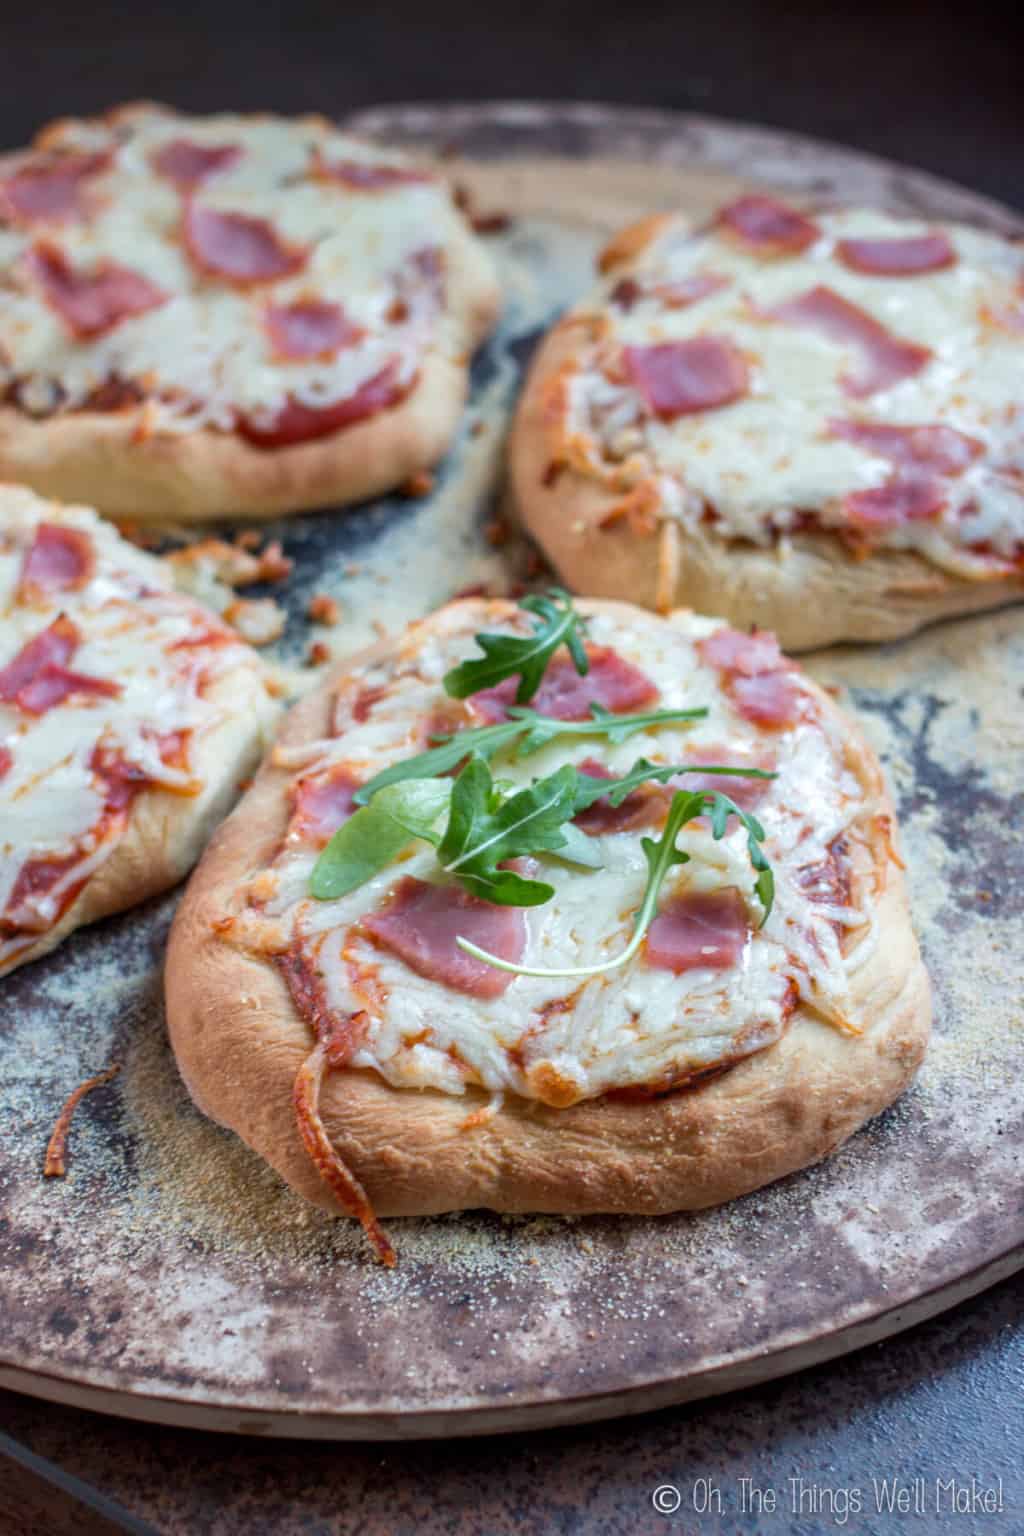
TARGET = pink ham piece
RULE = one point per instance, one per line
(321, 803)
(363, 176)
(421, 923)
(37, 679)
(903, 499)
(885, 358)
(6, 761)
(188, 164)
(298, 423)
(679, 378)
(91, 303)
(60, 559)
(237, 248)
(643, 807)
(756, 676)
(564, 695)
(930, 447)
(771, 699)
(732, 650)
(905, 257)
(699, 930)
(309, 329)
(50, 190)
(768, 227)
(746, 793)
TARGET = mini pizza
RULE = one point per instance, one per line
(204, 317)
(810, 422)
(637, 942)
(128, 717)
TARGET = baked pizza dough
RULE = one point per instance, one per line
(129, 716)
(231, 315)
(806, 421)
(384, 1072)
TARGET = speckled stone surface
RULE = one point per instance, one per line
(939, 1403)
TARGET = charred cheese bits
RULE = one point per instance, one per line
(238, 314)
(425, 1076)
(128, 717)
(811, 421)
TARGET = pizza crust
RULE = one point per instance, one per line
(110, 461)
(239, 1043)
(809, 589)
(167, 832)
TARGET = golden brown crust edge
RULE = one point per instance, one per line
(166, 832)
(105, 460)
(816, 594)
(239, 1043)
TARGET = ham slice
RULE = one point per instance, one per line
(746, 793)
(771, 699)
(38, 678)
(908, 256)
(756, 676)
(6, 761)
(885, 358)
(36, 879)
(421, 923)
(699, 930)
(612, 682)
(237, 248)
(321, 803)
(91, 303)
(903, 499)
(309, 329)
(50, 190)
(642, 807)
(679, 378)
(60, 559)
(363, 176)
(932, 446)
(733, 650)
(121, 779)
(188, 164)
(767, 226)
(298, 423)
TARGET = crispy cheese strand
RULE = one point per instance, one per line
(54, 1167)
(342, 1183)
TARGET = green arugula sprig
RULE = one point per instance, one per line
(374, 837)
(523, 733)
(504, 656)
(490, 823)
(661, 855)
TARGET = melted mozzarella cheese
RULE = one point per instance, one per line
(204, 357)
(129, 618)
(631, 1026)
(763, 461)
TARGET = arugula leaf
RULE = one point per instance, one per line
(527, 732)
(589, 788)
(375, 835)
(615, 728)
(485, 830)
(661, 856)
(511, 655)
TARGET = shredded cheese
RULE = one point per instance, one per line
(625, 1028)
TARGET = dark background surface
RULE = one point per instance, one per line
(935, 87)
